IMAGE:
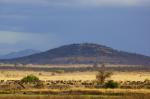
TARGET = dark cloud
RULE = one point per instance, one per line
(58, 23)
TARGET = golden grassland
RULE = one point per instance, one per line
(93, 91)
(73, 97)
(117, 76)
(58, 97)
(75, 93)
(82, 94)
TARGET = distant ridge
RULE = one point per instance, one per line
(85, 53)
(19, 54)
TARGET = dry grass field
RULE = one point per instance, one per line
(72, 97)
(84, 94)
(117, 76)
(74, 92)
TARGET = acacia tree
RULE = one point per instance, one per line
(30, 79)
(95, 65)
(102, 74)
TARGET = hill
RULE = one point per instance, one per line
(19, 54)
(86, 53)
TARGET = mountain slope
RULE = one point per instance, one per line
(83, 54)
(19, 54)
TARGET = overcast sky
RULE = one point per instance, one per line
(45, 24)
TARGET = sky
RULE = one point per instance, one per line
(46, 24)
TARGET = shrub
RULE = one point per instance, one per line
(53, 74)
(103, 75)
(59, 71)
(40, 74)
(95, 65)
(30, 79)
(40, 84)
(111, 84)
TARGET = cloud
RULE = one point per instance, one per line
(10, 37)
(117, 2)
(13, 16)
(22, 1)
(13, 41)
(80, 2)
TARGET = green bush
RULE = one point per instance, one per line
(30, 79)
(111, 84)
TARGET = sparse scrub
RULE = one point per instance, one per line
(103, 75)
(78, 83)
(64, 97)
(59, 71)
(111, 84)
(40, 84)
(53, 74)
(30, 79)
(95, 66)
(40, 74)
(81, 94)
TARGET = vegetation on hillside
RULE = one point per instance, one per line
(86, 53)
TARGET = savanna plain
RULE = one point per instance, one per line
(60, 83)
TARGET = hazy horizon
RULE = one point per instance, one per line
(46, 24)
